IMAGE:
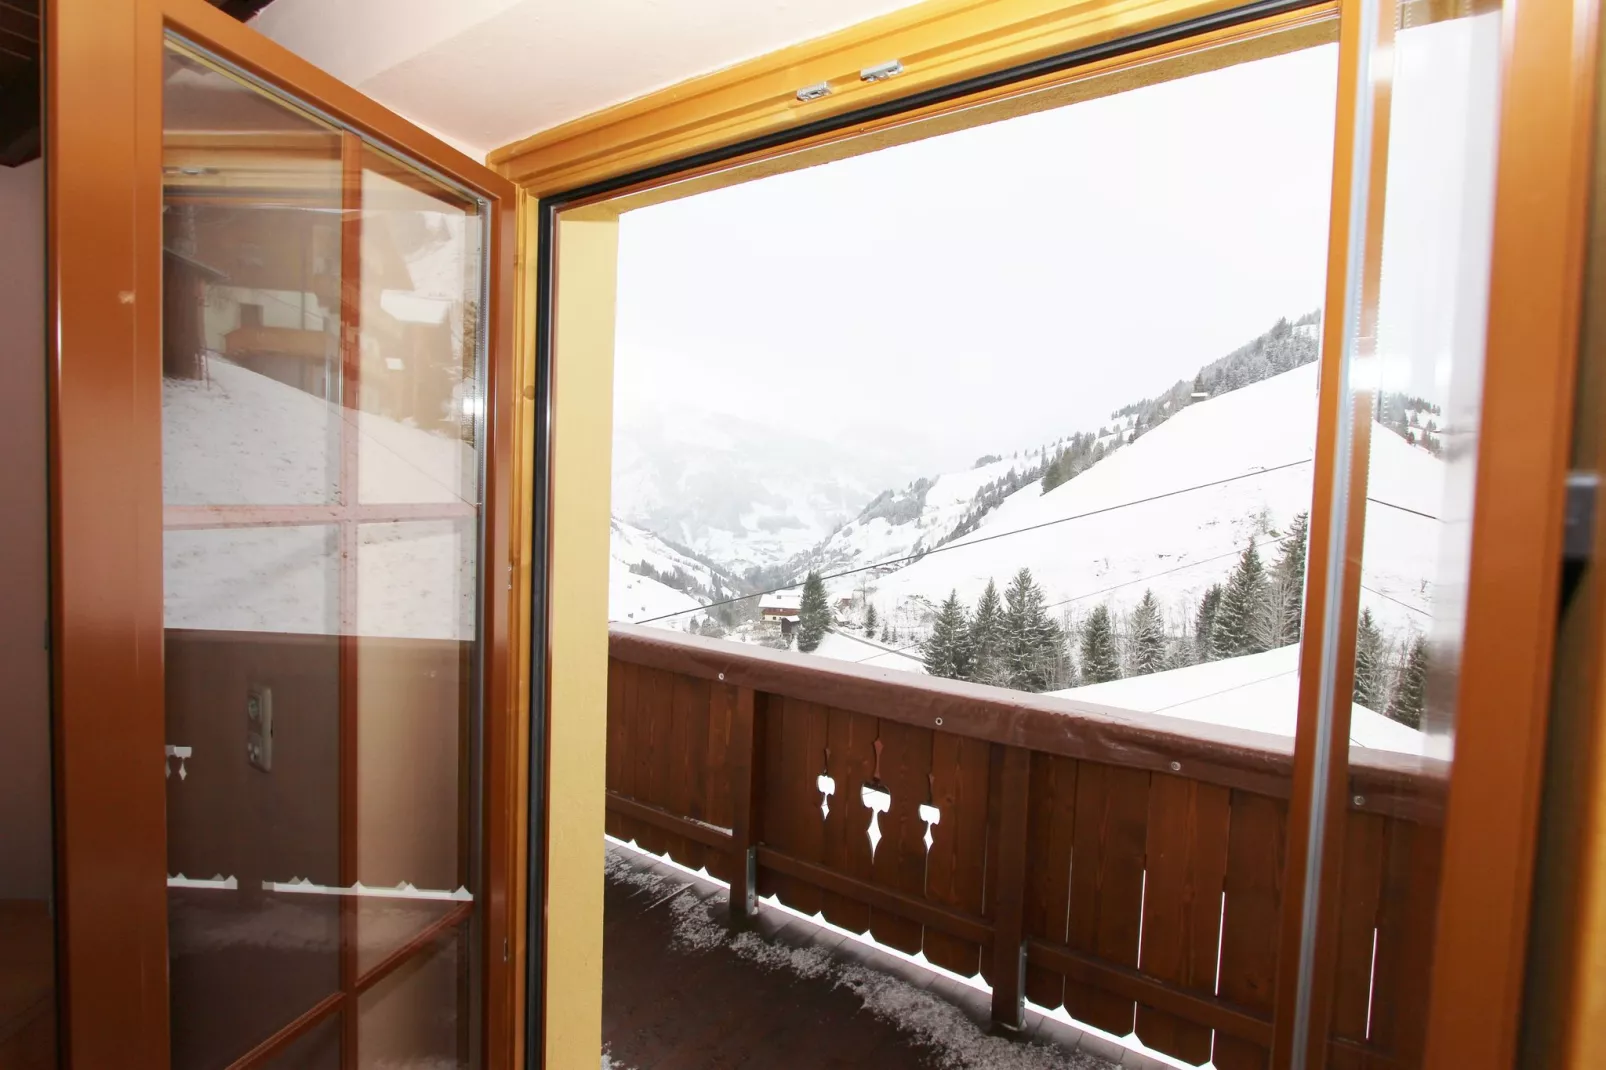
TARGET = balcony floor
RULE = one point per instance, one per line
(680, 991)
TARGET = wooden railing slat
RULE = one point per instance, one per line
(850, 739)
(613, 775)
(954, 867)
(678, 757)
(1009, 949)
(718, 777)
(1256, 843)
(1405, 927)
(1112, 816)
(1359, 895)
(746, 795)
(900, 859)
(1048, 884)
(1186, 866)
(651, 707)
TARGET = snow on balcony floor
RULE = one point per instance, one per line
(679, 987)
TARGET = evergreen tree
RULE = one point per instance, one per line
(1099, 659)
(869, 621)
(1148, 636)
(1204, 624)
(1031, 639)
(1233, 631)
(987, 638)
(886, 633)
(947, 651)
(814, 616)
(1289, 577)
(1411, 685)
(1371, 656)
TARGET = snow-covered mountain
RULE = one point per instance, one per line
(897, 524)
(1173, 510)
(648, 578)
(745, 491)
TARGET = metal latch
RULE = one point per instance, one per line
(1579, 541)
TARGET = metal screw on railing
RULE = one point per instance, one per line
(1176, 767)
(939, 722)
(722, 677)
(1360, 800)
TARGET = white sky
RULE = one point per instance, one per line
(1009, 283)
(992, 289)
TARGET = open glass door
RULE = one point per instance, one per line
(322, 388)
(323, 383)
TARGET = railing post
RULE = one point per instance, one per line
(746, 787)
(1009, 951)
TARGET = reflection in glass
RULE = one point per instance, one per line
(420, 310)
(1422, 373)
(410, 1018)
(321, 466)
(27, 929)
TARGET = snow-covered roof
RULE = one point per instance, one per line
(781, 602)
(1259, 692)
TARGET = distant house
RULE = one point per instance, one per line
(781, 609)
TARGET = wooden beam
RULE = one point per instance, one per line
(698, 831)
(1132, 984)
(964, 926)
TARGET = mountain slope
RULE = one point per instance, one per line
(1219, 473)
(649, 578)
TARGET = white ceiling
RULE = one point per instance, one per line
(482, 73)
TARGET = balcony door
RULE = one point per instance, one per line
(282, 489)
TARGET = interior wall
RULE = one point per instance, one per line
(25, 813)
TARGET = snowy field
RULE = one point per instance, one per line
(1257, 692)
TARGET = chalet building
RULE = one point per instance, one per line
(780, 610)
(317, 749)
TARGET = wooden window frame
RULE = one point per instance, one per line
(745, 120)
(104, 151)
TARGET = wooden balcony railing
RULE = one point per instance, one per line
(1125, 866)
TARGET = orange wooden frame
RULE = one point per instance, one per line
(104, 146)
(1547, 90)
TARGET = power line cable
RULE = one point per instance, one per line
(986, 538)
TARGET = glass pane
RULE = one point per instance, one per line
(1424, 374)
(321, 562)
(27, 932)
(421, 390)
(415, 621)
(410, 1018)
(250, 621)
(251, 295)
(1063, 451)
(317, 1049)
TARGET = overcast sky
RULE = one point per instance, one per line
(988, 290)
